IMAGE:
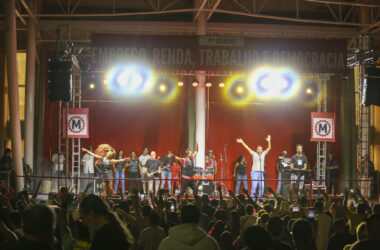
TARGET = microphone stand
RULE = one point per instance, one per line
(223, 173)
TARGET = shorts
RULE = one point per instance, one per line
(107, 175)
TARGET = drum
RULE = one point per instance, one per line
(198, 173)
(206, 187)
(209, 173)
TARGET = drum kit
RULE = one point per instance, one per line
(205, 180)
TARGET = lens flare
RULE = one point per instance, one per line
(280, 83)
(129, 79)
(165, 89)
(236, 90)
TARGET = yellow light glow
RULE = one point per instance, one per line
(105, 81)
(240, 89)
(208, 85)
(180, 84)
(309, 91)
(195, 84)
(92, 86)
(162, 87)
(221, 85)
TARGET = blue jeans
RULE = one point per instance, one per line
(239, 179)
(119, 175)
(166, 175)
(279, 183)
(259, 182)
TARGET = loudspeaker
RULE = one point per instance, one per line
(60, 80)
(373, 87)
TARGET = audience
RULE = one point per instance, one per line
(91, 222)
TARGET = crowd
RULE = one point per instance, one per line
(181, 222)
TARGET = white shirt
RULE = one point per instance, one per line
(88, 163)
(258, 161)
(143, 159)
(54, 159)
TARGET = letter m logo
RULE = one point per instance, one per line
(322, 128)
(76, 124)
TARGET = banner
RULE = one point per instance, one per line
(322, 127)
(215, 53)
(77, 123)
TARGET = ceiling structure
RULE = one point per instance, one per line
(260, 18)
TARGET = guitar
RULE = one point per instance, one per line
(156, 171)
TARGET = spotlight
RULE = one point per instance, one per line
(180, 84)
(195, 83)
(105, 81)
(221, 85)
(208, 85)
(240, 89)
(92, 85)
(309, 91)
(162, 87)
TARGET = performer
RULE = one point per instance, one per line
(166, 171)
(332, 173)
(282, 164)
(119, 169)
(104, 167)
(258, 165)
(188, 170)
(134, 171)
(153, 166)
(88, 169)
(240, 173)
(298, 162)
(143, 159)
(175, 177)
(210, 164)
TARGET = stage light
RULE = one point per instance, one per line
(105, 81)
(129, 79)
(240, 89)
(309, 91)
(209, 84)
(195, 83)
(280, 83)
(92, 85)
(162, 87)
(221, 84)
(180, 84)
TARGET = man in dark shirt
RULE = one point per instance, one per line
(298, 162)
(6, 160)
(340, 237)
(166, 171)
(276, 228)
(153, 166)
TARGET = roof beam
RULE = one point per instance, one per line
(332, 12)
(61, 6)
(213, 9)
(170, 4)
(200, 9)
(358, 4)
(76, 6)
(262, 6)
(241, 6)
(20, 17)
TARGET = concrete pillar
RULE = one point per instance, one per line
(200, 102)
(11, 54)
(30, 92)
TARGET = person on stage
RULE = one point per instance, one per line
(175, 177)
(258, 165)
(166, 171)
(210, 163)
(332, 173)
(119, 171)
(134, 170)
(240, 173)
(143, 159)
(105, 165)
(88, 169)
(153, 170)
(298, 162)
(282, 163)
(188, 170)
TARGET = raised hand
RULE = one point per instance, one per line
(84, 150)
(239, 140)
(268, 138)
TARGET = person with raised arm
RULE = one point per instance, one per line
(188, 170)
(258, 165)
(105, 153)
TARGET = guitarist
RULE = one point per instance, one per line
(153, 166)
(166, 171)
